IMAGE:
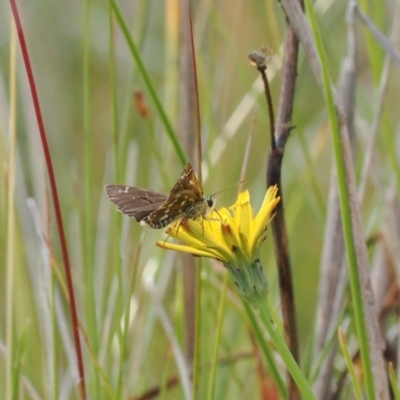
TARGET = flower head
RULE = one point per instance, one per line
(232, 236)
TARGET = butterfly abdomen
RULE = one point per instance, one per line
(160, 223)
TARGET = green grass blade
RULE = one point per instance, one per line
(146, 78)
(345, 207)
(350, 366)
(393, 382)
(217, 338)
(265, 349)
(283, 350)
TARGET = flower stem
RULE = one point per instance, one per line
(263, 311)
(217, 338)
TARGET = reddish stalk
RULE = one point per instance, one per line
(274, 176)
(196, 91)
(197, 277)
(279, 135)
(53, 187)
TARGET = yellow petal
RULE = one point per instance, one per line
(198, 235)
(231, 236)
(263, 217)
(243, 213)
(184, 249)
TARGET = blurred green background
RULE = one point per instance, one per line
(86, 132)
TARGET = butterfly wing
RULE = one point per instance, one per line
(157, 210)
(183, 201)
(135, 202)
(187, 181)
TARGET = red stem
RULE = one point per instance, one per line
(196, 87)
(53, 186)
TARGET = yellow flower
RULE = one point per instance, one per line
(233, 237)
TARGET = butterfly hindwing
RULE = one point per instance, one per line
(135, 202)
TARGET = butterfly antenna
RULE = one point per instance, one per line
(228, 187)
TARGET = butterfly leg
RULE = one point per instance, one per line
(165, 241)
(180, 223)
(220, 217)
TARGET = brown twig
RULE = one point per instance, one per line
(279, 135)
(257, 58)
(281, 241)
(187, 123)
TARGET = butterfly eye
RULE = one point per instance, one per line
(210, 201)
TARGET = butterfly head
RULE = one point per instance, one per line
(211, 202)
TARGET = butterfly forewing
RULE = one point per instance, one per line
(185, 200)
(187, 181)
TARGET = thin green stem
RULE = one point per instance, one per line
(283, 350)
(118, 216)
(345, 208)
(196, 358)
(375, 54)
(317, 364)
(266, 350)
(393, 382)
(10, 255)
(217, 338)
(114, 106)
(87, 217)
(54, 329)
(350, 366)
(149, 85)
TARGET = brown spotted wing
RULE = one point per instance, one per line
(156, 210)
